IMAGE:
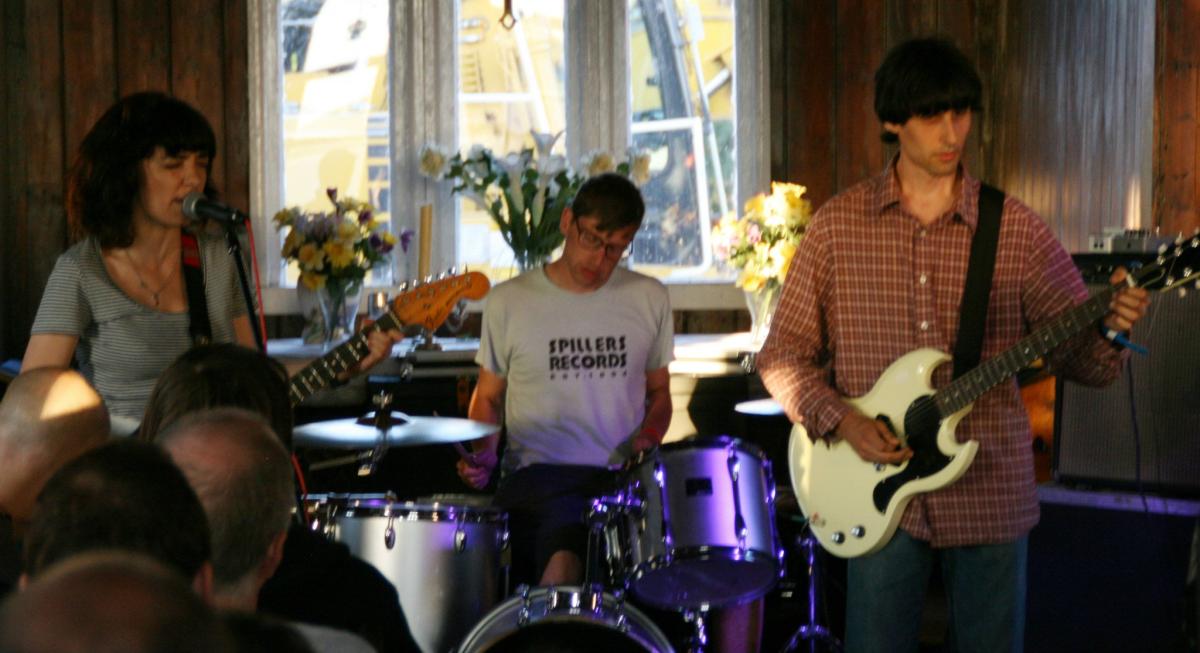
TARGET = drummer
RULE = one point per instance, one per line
(573, 363)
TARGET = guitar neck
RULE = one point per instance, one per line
(970, 386)
(323, 372)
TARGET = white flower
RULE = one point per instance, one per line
(639, 165)
(597, 162)
(435, 161)
(513, 165)
(539, 206)
(477, 151)
(544, 142)
(549, 167)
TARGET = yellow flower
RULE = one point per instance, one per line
(750, 280)
(311, 257)
(291, 244)
(312, 280)
(340, 255)
(347, 230)
(388, 237)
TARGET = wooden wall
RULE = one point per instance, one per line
(62, 63)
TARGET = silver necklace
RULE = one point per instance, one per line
(154, 294)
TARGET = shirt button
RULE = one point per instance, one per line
(920, 233)
(924, 325)
(923, 279)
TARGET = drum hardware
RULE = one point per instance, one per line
(605, 619)
(812, 631)
(693, 525)
(445, 559)
(383, 423)
(405, 430)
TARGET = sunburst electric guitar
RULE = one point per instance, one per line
(853, 505)
(426, 304)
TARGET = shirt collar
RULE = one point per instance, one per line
(887, 194)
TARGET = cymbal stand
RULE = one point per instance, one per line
(383, 424)
(818, 636)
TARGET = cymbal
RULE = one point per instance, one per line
(760, 407)
(405, 431)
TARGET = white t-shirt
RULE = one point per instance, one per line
(575, 364)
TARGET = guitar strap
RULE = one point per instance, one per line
(972, 317)
(193, 278)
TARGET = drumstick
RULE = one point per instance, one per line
(466, 455)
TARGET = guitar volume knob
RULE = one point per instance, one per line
(838, 537)
(858, 531)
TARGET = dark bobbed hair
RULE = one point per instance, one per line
(925, 77)
(217, 375)
(612, 198)
(127, 496)
(106, 175)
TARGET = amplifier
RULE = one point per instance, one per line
(1144, 429)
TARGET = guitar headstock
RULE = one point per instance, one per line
(429, 304)
(1176, 265)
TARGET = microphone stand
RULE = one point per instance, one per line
(235, 249)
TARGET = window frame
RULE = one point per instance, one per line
(423, 33)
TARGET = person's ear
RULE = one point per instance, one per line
(564, 222)
(202, 583)
(274, 556)
(892, 128)
(23, 582)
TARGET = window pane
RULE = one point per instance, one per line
(335, 106)
(510, 82)
(681, 73)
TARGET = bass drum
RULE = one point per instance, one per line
(443, 557)
(566, 618)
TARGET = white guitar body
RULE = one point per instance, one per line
(835, 486)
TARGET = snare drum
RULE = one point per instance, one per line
(569, 616)
(694, 525)
(443, 558)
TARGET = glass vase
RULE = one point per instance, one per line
(762, 304)
(339, 301)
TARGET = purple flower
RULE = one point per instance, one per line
(379, 244)
(332, 193)
(365, 216)
(406, 237)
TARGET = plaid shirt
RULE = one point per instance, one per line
(869, 283)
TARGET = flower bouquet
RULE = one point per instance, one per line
(334, 251)
(525, 192)
(760, 245)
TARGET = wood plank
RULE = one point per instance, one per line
(860, 49)
(812, 139)
(1177, 185)
(907, 19)
(143, 46)
(89, 70)
(37, 222)
(236, 190)
(197, 71)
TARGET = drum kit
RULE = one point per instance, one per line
(690, 526)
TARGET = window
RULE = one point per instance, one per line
(345, 92)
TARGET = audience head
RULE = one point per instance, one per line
(925, 77)
(125, 495)
(243, 477)
(48, 416)
(107, 176)
(109, 601)
(212, 376)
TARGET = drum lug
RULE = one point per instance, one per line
(389, 533)
(525, 612)
(460, 540)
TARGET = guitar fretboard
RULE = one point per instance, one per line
(322, 372)
(970, 386)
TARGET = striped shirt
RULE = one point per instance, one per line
(869, 283)
(123, 345)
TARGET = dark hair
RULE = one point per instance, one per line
(243, 477)
(254, 632)
(612, 198)
(212, 376)
(924, 77)
(125, 495)
(108, 601)
(106, 175)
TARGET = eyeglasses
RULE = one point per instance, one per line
(592, 242)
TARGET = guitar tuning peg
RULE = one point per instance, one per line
(443, 275)
(453, 271)
(404, 287)
(428, 279)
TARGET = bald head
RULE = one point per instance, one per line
(243, 476)
(109, 601)
(48, 417)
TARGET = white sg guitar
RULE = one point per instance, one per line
(853, 505)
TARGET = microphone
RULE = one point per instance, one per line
(198, 208)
